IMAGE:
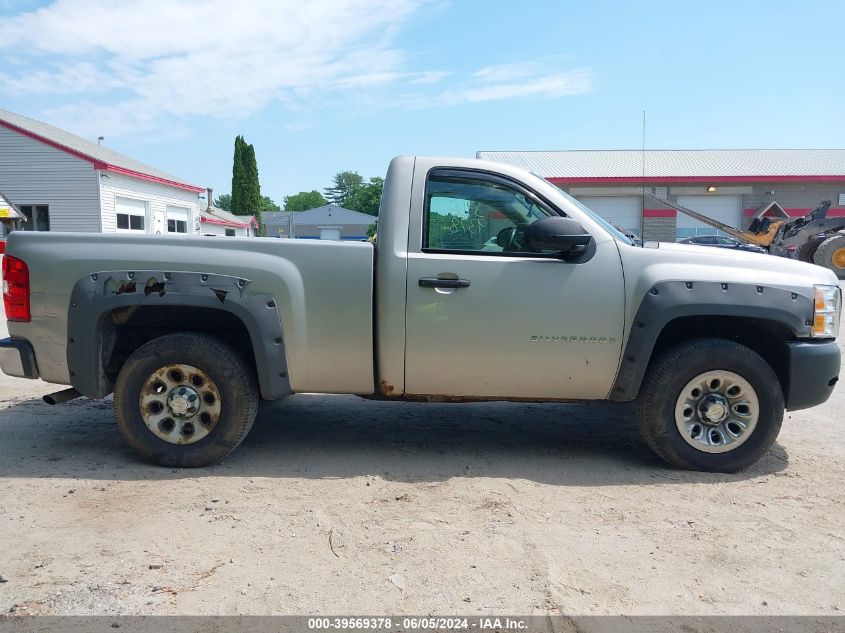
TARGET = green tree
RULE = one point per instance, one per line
(304, 200)
(366, 198)
(253, 188)
(246, 190)
(224, 202)
(268, 205)
(344, 185)
(238, 196)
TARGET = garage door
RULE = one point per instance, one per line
(727, 209)
(329, 233)
(623, 211)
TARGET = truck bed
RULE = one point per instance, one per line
(324, 292)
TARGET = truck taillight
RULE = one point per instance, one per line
(16, 289)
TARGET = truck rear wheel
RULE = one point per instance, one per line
(831, 255)
(185, 400)
(710, 404)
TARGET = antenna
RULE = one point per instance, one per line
(642, 204)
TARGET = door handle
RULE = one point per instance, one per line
(436, 282)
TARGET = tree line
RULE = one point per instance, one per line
(348, 190)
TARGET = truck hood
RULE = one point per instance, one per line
(667, 261)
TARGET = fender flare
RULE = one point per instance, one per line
(670, 300)
(98, 294)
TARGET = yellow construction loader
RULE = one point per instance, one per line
(814, 238)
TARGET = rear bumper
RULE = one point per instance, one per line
(813, 373)
(17, 358)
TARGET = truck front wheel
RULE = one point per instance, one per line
(710, 404)
(185, 400)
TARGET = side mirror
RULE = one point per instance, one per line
(563, 235)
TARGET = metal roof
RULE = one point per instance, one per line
(331, 214)
(730, 164)
(213, 215)
(101, 157)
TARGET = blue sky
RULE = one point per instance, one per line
(326, 85)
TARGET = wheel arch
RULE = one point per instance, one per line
(763, 318)
(112, 313)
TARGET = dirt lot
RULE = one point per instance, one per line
(339, 505)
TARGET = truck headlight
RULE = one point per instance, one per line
(828, 307)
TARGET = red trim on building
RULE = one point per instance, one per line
(156, 179)
(716, 180)
(240, 225)
(659, 213)
(67, 150)
(98, 164)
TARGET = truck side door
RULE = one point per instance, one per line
(487, 318)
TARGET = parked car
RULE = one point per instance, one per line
(190, 334)
(721, 241)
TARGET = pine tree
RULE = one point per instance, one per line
(238, 176)
(246, 190)
(252, 188)
(344, 185)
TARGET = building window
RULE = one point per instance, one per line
(177, 226)
(131, 215)
(37, 217)
(177, 219)
(694, 232)
(230, 232)
(128, 222)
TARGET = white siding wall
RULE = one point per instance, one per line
(206, 228)
(34, 173)
(156, 196)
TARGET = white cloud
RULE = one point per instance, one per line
(507, 72)
(571, 82)
(180, 58)
(139, 66)
(430, 77)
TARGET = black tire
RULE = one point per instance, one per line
(667, 376)
(234, 382)
(830, 255)
(807, 251)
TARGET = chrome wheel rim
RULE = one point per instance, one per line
(717, 411)
(180, 404)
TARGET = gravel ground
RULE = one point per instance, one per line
(339, 505)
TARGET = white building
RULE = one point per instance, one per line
(62, 182)
(218, 222)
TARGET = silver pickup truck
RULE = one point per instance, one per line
(486, 283)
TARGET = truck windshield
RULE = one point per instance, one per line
(607, 226)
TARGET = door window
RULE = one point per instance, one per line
(473, 213)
